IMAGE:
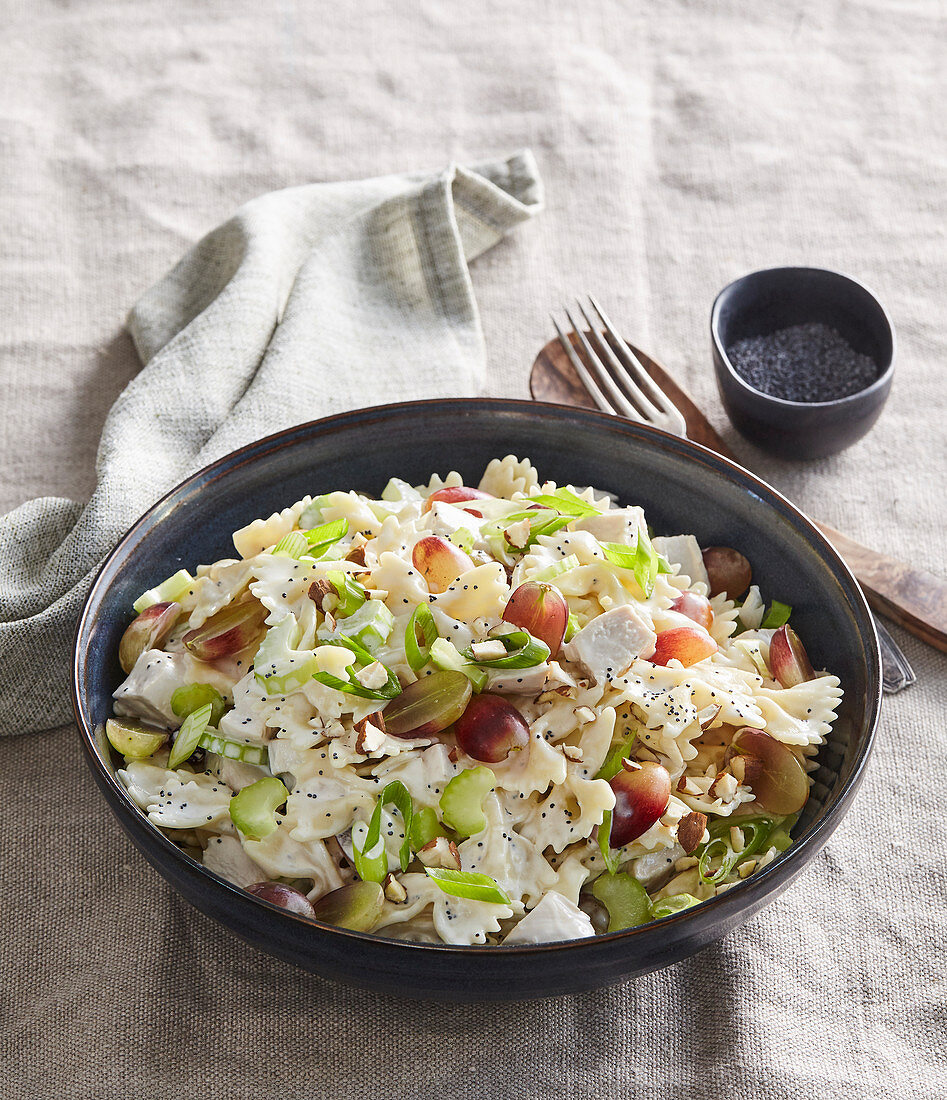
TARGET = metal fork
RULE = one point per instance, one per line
(619, 385)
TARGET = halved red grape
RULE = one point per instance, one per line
(788, 659)
(232, 629)
(542, 610)
(428, 706)
(695, 607)
(769, 769)
(491, 728)
(728, 571)
(682, 643)
(147, 631)
(457, 494)
(286, 897)
(439, 562)
(641, 797)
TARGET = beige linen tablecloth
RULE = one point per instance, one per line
(681, 145)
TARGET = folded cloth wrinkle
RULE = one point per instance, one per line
(307, 302)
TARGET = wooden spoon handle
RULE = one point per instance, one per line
(913, 598)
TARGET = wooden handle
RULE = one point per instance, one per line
(913, 598)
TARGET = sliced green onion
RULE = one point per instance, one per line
(546, 527)
(321, 539)
(371, 625)
(351, 594)
(462, 800)
(522, 651)
(612, 763)
(567, 503)
(642, 559)
(570, 561)
(463, 539)
(191, 697)
(421, 620)
(352, 686)
(425, 826)
(609, 854)
(168, 591)
(398, 794)
(675, 903)
(288, 682)
(253, 810)
(189, 735)
(293, 545)
(371, 861)
(778, 615)
(572, 628)
(625, 899)
(447, 657)
(468, 884)
(758, 833)
(234, 750)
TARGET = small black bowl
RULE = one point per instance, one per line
(765, 301)
(682, 486)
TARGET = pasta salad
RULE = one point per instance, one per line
(504, 714)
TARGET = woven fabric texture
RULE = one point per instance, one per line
(680, 145)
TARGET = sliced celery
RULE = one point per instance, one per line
(351, 594)
(570, 561)
(253, 810)
(424, 828)
(463, 539)
(293, 545)
(234, 750)
(189, 735)
(572, 628)
(168, 591)
(625, 899)
(447, 657)
(133, 740)
(371, 625)
(462, 800)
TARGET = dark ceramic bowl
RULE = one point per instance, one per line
(682, 487)
(763, 302)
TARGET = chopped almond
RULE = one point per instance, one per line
(394, 891)
(440, 852)
(318, 591)
(690, 831)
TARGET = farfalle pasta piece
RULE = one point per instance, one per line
(481, 592)
(505, 476)
(264, 533)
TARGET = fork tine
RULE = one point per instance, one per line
(644, 379)
(620, 402)
(623, 381)
(591, 386)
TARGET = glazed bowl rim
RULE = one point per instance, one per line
(839, 404)
(739, 896)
